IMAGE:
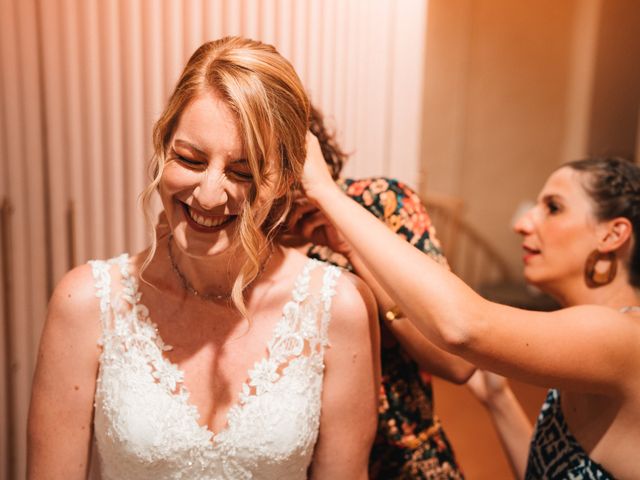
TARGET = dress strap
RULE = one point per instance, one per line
(300, 323)
(301, 286)
(329, 280)
(102, 282)
(101, 270)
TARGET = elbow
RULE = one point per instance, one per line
(455, 338)
(461, 375)
(458, 327)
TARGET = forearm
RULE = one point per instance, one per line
(513, 427)
(427, 355)
(439, 304)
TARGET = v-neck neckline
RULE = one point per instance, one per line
(181, 393)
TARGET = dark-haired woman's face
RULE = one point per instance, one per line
(559, 232)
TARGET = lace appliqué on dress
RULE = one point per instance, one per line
(146, 428)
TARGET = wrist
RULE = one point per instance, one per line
(324, 194)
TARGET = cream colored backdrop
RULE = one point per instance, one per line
(82, 82)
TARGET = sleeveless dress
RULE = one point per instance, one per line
(554, 452)
(410, 442)
(145, 427)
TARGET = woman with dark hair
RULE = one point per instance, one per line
(580, 246)
(410, 441)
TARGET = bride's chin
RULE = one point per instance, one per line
(199, 249)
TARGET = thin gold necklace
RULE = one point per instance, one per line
(186, 284)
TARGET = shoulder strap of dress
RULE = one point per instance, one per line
(327, 291)
(301, 285)
(305, 317)
(101, 270)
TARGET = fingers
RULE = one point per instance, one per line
(313, 145)
(316, 176)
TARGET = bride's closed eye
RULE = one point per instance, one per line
(240, 170)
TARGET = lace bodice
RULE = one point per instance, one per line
(145, 427)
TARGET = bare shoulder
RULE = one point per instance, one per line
(354, 308)
(602, 318)
(74, 302)
(604, 335)
(352, 292)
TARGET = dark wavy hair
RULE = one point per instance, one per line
(331, 151)
(614, 187)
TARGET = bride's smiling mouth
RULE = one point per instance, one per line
(206, 223)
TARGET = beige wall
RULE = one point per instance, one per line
(614, 106)
(513, 89)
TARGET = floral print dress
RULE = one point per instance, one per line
(410, 442)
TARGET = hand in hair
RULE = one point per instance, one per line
(317, 178)
(306, 221)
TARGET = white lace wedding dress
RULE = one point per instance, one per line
(145, 427)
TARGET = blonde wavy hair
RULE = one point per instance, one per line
(272, 110)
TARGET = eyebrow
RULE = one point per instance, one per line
(190, 146)
(551, 196)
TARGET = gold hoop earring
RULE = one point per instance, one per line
(594, 277)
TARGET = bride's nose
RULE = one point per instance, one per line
(210, 191)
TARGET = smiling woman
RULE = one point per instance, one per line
(206, 180)
(581, 246)
(230, 138)
(207, 356)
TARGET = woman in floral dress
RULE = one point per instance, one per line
(410, 442)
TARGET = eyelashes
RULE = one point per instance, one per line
(245, 176)
(186, 161)
(234, 169)
(553, 207)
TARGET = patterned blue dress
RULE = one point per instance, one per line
(555, 453)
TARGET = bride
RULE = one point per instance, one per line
(216, 353)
